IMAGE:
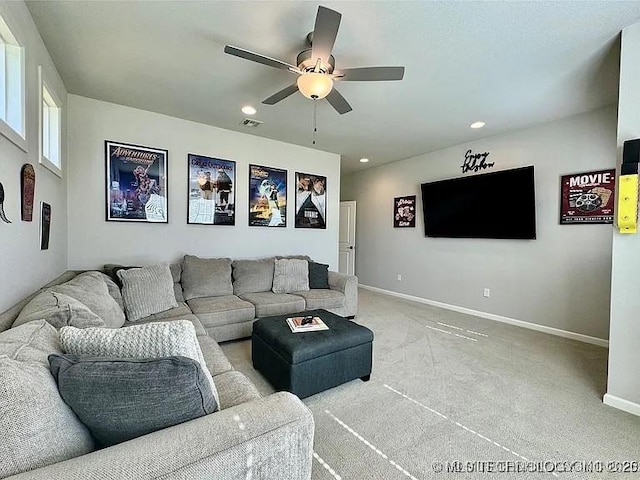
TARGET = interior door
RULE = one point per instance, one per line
(347, 238)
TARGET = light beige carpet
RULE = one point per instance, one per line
(448, 387)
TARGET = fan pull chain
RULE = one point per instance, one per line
(315, 121)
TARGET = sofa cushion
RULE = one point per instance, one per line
(119, 399)
(38, 428)
(213, 311)
(180, 315)
(269, 303)
(31, 342)
(250, 276)
(290, 275)
(90, 289)
(176, 273)
(111, 270)
(150, 340)
(147, 291)
(59, 310)
(235, 389)
(318, 275)
(214, 357)
(206, 277)
(322, 299)
(114, 290)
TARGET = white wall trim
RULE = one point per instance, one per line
(621, 404)
(498, 318)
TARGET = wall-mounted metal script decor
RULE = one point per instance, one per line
(28, 189)
(474, 162)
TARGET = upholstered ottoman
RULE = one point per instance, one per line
(310, 362)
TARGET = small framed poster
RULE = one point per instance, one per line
(136, 183)
(267, 197)
(45, 225)
(587, 197)
(311, 201)
(212, 195)
(404, 212)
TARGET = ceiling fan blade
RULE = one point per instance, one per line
(370, 74)
(281, 95)
(324, 34)
(338, 102)
(258, 58)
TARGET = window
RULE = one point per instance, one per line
(12, 121)
(50, 126)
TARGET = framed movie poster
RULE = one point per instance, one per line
(311, 201)
(212, 195)
(587, 197)
(267, 197)
(136, 183)
(45, 225)
(404, 212)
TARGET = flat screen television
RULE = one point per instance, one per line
(491, 205)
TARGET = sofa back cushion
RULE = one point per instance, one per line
(59, 310)
(120, 399)
(90, 289)
(290, 275)
(253, 276)
(147, 291)
(38, 428)
(206, 277)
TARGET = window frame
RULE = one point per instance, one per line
(45, 144)
(12, 51)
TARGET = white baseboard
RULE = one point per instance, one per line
(621, 404)
(498, 318)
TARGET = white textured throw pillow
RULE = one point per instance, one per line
(290, 275)
(150, 340)
(147, 290)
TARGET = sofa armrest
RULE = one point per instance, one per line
(348, 285)
(263, 439)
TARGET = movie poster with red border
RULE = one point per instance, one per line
(587, 197)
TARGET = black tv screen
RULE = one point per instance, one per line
(492, 205)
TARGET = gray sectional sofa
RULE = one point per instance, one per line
(250, 437)
(229, 314)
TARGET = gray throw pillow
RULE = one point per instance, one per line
(147, 340)
(206, 277)
(147, 290)
(318, 275)
(31, 342)
(90, 289)
(59, 310)
(119, 399)
(290, 275)
(252, 276)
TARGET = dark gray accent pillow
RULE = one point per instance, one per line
(123, 398)
(318, 275)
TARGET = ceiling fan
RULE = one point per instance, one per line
(316, 66)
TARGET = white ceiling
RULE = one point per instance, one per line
(511, 64)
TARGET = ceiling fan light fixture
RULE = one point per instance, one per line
(315, 85)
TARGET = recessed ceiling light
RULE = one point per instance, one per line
(477, 125)
(364, 160)
(248, 110)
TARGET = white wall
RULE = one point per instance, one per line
(623, 389)
(93, 241)
(560, 280)
(23, 266)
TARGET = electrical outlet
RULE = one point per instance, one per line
(399, 277)
(487, 292)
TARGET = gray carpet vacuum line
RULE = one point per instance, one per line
(463, 329)
(370, 445)
(460, 425)
(451, 333)
(327, 467)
